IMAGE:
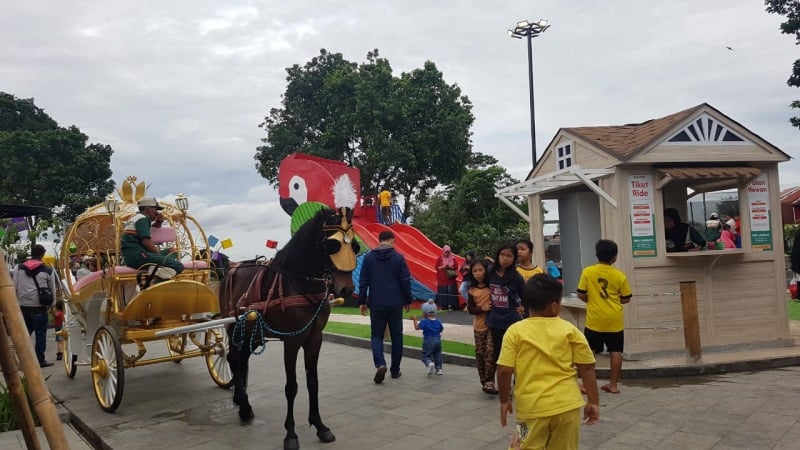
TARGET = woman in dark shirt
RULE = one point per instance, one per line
(505, 285)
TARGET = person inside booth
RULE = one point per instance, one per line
(680, 236)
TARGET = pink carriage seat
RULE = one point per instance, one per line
(160, 235)
(195, 264)
(94, 276)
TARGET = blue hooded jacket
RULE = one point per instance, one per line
(385, 282)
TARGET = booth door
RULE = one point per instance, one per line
(579, 222)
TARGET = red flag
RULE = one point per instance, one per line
(272, 244)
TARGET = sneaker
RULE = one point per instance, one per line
(45, 364)
(165, 273)
(380, 375)
(431, 368)
(396, 375)
(438, 371)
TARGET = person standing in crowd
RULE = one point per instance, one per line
(464, 270)
(680, 237)
(525, 265)
(29, 277)
(505, 287)
(604, 289)
(138, 249)
(446, 274)
(385, 199)
(479, 303)
(794, 256)
(385, 288)
(545, 353)
(431, 338)
(58, 324)
(713, 228)
(727, 237)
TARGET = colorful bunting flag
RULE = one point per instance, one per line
(272, 244)
(227, 243)
(212, 240)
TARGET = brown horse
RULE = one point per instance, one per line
(287, 298)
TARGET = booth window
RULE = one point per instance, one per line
(564, 156)
(706, 198)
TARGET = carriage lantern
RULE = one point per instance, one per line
(111, 204)
(182, 202)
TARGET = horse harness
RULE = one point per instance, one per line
(251, 299)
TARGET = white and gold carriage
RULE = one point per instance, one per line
(115, 306)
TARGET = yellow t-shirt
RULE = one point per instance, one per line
(528, 273)
(604, 285)
(543, 352)
(385, 198)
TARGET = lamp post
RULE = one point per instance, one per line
(530, 30)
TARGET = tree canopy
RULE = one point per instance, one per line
(43, 164)
(469, 217)
(791, 10)
(409, 134)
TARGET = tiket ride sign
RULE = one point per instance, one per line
(760, 221)
(643, 237)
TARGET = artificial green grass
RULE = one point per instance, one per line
(363, 331)
(353, 310)
(794, 309)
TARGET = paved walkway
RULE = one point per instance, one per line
(178, 406)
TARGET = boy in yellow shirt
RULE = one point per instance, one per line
(605, 289)
(545, 354)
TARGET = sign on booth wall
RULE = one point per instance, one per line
(760, 221)
(643, 236)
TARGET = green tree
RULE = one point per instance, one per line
(469, 217)
(43, 164)
(408, 133)
(791, 10)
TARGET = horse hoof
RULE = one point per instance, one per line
(246, 414)
(326, 436)
(291, 444)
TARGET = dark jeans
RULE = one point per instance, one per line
(36, 322)
(432, 351)
(378, 319)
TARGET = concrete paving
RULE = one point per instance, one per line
(178, 406)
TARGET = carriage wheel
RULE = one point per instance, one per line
(108, 369)
(70, 358)
(216, 358)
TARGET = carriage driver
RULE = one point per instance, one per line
(137, 247)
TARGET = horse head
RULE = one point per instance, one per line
(339, 244)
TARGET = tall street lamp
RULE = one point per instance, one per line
(530, 30)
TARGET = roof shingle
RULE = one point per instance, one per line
(624, 141)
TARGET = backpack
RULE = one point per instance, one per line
(46, 297)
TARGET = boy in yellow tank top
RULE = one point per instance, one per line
(545, 353)
(605, 289)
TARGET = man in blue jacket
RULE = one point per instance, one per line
(385, 288)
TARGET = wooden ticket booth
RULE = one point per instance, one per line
(614, 182)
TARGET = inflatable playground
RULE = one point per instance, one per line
(306, 184)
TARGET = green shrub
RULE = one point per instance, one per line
(8, 421)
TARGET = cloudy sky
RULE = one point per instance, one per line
(178, 88)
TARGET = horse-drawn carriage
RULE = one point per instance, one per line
(116, 305)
